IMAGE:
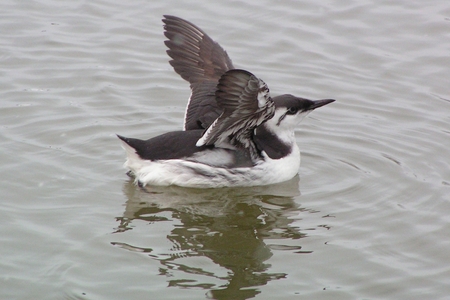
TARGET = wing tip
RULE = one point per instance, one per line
(200, 142)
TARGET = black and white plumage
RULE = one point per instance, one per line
(241, 114)
(235, 133)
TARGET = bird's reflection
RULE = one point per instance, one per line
(235, 228)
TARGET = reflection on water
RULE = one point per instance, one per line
(229, 226)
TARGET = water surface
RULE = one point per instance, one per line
(367, 217)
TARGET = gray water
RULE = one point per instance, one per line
(367, 218)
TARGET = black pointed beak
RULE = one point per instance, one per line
(319, 103)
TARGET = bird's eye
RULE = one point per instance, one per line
(292, 110)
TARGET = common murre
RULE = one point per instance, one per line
(235, 133)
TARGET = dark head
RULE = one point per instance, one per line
(290, 110)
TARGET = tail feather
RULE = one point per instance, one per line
(132, 146)
(134, 162)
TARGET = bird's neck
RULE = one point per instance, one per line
(277, 143)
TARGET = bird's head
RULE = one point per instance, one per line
(290, 111)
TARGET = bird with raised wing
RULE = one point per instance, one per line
(234, 133)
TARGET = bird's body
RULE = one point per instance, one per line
(214, 167)
(235, 133)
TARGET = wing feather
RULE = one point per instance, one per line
(200, 61)
(246, 103)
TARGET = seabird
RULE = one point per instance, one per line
(234, 133)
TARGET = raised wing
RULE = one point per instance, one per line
(246, 104)
(200, 61)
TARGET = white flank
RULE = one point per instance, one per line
(194, 174)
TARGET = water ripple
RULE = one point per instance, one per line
(369, 209)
